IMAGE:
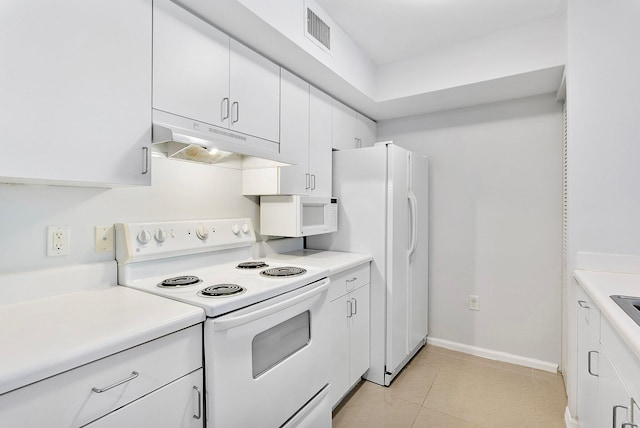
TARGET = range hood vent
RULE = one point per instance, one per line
(318, 30)
(182, 138)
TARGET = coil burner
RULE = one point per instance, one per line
(180, 281)
(252, 265)
(222, 290)
(284, 271)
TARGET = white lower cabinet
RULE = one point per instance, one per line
(608, 373)
(588, 354)
(614, 401)
(177, 405)
(164, 371)
(350, 324)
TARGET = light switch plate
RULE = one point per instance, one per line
(104, 239)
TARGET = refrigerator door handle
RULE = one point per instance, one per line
(413, 202)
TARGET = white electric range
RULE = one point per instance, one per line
(266, 335)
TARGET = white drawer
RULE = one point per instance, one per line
(347, 281)
(69, 400)
(177, 405)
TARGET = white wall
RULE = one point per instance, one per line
(180, 191)
(530, 47)
(603, 110)
(495, 222)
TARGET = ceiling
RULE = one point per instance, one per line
(389, 30)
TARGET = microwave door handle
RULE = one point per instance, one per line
(227, 323)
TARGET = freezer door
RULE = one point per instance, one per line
(399, 238)
(418, 260)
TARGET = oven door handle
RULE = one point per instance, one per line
(225, 323)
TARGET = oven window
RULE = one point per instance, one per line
(313, 215)
(279, 342)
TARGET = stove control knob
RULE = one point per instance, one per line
(202, 232)
(144, 237)
(245, 229)
(160, 235)
(235, 229)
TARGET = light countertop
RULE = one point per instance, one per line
(45, 337)
(335, 261)
(599, 286)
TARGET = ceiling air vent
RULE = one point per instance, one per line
(318, 30)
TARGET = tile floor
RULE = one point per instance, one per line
(440, 388)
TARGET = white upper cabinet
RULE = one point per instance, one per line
(76, 92)
(254, 94)
(190, 66)
(294, 137)
(201, 74)
(351, 130)
(305, 123)
(367, 131)
(294, 144)
(320, 159)
(344, 127)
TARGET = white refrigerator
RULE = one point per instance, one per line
(383, 211)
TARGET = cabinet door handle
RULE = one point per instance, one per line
(615, 413)
(583, 304)
(235, 107)
(313, 182)
(199, 415)
(224, 108)
(307, 181)
(145, 160)
(355, 306)
(589, 363)
(106, 388)
(629, 424)
(349, 309)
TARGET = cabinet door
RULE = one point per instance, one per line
(367, 131)
(588, 357)
(359, 334)
(339, 349)
(255, 93)
(75, 85)
(190, 66)
(294, 134)
(614, 401)
(344, 127)
(320, 119)
(179, 404)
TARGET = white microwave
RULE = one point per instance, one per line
(295, 215)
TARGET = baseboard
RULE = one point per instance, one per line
(569, 421)
(494, 355)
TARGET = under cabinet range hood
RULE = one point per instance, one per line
(182, 138)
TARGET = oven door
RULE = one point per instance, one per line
(264, 363)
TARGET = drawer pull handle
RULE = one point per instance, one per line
(101, 390)
(199, 415)
(583, 304)
(629, 424)
(352, 279)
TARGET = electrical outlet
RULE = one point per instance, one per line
(474, 302)
(58, 240)
(104, 239)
